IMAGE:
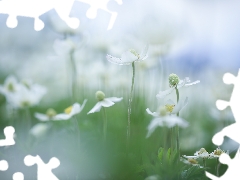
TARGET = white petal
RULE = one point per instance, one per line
(114, 99)
(162, 94)
(181, 104)
(96, 108)
(144, 52)
(61, 116)
(128, 57)
(170, 102)
(116, 60)
(190, 84)
(41, 117)
(152, 113)
(106, 103)
(76, 108)
(153, 125)
(171, 121)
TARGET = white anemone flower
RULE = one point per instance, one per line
(26, 97)
(190, 161)
(162, 118)
(10, 86)
(68, 113)
(175, 82)
(21, 95)
(217, 153)
(129, 57)
(202, 153)
(102, 101)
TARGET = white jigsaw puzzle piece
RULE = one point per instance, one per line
(232, 131)
(44, 170)
(36, 8)
(9, 136)
(100, 4)
(18, 176)
(3, 165)
(232, 172)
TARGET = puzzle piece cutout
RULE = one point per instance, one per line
(100, 4)
(9, 136)
(231, 131)
(3, 165)
(233, 172)
(36, 8)
(44, 170)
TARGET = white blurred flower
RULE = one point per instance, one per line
(162, 118)
(129, 57)
(202, 153)
(190, 161)
(178, 84)
(10, 86)
(21, 95)
(39, 129)
(102, 101)
(68, 113)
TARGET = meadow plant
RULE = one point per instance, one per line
(104, 102)
(129, 58)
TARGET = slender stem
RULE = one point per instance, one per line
(177, 128)
(74, 77)
(104, 124)
(130, 104)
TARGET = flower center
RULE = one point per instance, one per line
(169, 108)
(68, 110)
(100, 95)
(25, 103)
(10, 87)
(135, 53)
(51, 113)
(192, 161)
(218, 152)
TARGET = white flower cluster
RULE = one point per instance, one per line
(22, 94)
(202, 153)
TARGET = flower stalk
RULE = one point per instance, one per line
(104, 124)
(177, 128)
(130, 104)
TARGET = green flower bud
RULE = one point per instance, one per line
(100, 95)
(173, 80)
(51, 113)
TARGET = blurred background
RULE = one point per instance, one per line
(195, 39)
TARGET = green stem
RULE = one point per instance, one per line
(74, 77)
(104, 124)
(177, 128)
(129, 105)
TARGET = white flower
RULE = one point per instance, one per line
(217, 153)
(68, 113)
(129, 57)
(21, 95)
(102, 101)
(39, 129)
(181, 83)
(190, 161)
(202, 153)
(10, 86)
(161, 118)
